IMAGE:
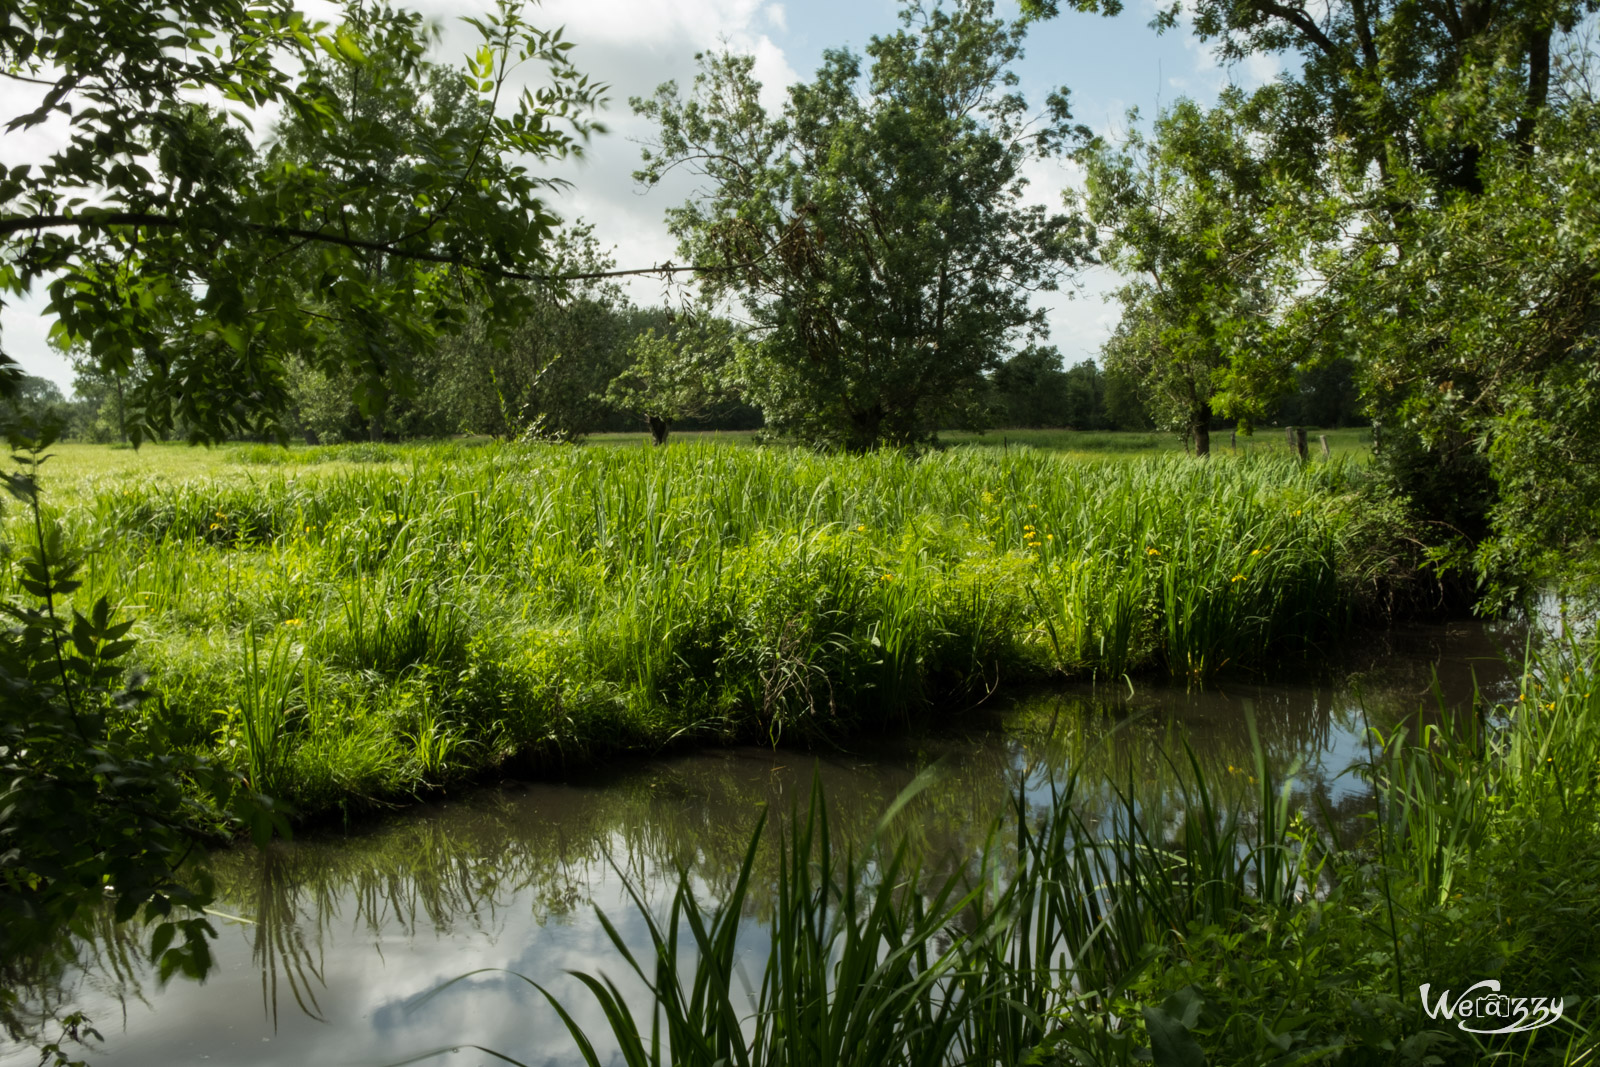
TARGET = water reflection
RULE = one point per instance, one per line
(328, 943)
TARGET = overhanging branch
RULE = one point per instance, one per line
(98, 219)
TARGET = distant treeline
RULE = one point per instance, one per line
(1033, 389)
(553, 381)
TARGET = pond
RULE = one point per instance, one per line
(330, 945)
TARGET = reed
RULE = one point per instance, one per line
(1104, 928)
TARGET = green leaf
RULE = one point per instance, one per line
(1171, 1044)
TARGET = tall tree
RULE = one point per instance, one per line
(544, 374)
(161, 234)
(874, 230)
(1446, 243)
(676, 374)
(1186, 217)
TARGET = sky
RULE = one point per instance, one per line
(1109, 65)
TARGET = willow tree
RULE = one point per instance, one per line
(873, 229)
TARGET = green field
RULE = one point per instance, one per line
(358, 622)
(1356, 443)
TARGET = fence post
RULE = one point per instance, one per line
(1300, 444)
(1326, 454)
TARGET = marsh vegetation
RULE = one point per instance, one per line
(349, 625)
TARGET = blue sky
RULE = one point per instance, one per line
(1108, 64)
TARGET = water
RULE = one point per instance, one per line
(335, 947)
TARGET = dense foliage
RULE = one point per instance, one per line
(181, 259)
(1419, 186)
(80, 749)
(365, 620)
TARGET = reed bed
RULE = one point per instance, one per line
(356, 623)
(1219, 929)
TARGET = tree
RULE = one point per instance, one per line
(162, 235)
(1031, 389)
(37, 398)
(874, 230)
(1325, 394)
(176, 261)
(546, 373)
(1185, 213)
(674, 375)
(1444, 242)
(1481, 339)
(1371, 72)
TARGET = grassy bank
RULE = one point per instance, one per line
(1220, 932)
(357, 623)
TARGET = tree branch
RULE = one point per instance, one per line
(90, 220)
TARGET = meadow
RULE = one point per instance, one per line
(354, 624)
(1354, 444)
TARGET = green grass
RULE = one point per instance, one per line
(1109, 444)
(420, 613)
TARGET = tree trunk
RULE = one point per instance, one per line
(1200, 429)
(866, 428)
(658, 429)
(122, 418)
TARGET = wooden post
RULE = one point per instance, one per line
(1233, 439)
(1300, 444)
(1326, 454)
(1288, 437)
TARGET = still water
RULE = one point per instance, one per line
(336, 946)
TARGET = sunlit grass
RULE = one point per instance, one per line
(447, 607)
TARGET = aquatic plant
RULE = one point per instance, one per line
(1233, 934)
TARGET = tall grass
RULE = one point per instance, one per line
(1227, 930)
(550, 602)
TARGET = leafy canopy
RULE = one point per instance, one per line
(874, 229)
(169, 243)
(1187, 216)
